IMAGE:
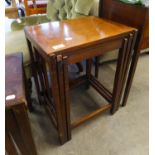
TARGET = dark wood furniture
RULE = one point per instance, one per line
(58, 44)
(132, 15)
(18, 134)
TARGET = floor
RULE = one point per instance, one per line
(124, 133)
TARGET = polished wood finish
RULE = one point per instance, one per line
(90, 116)
(17, 123)
(9, 145)
(48, 35)
(14, 83)
(71, 41)
(132, 15)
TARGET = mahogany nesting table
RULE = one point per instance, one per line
(17, 128)
(55, 45)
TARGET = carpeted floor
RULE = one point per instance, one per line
(124, 133)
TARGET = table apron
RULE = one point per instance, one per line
(92, 51)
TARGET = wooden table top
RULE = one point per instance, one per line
(14, 87)
(57, 37)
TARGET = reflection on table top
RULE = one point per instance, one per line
(70, 34)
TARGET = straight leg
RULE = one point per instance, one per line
(64, 93)
(131, 73)
(88, 67)
(128, 61)
(9, 145)
(33, 70)
(56, 98)
(22, 120)
(88, 71)
(45, 76)
(27, 92)
(125, 66)
(96, 66)
(67, 98)
(17, 124)
(39, 72)
(130, 77)
(28, 95)
(118, 74)
(13, 129)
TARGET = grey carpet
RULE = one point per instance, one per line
(124, 133)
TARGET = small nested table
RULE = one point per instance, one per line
(18, 136)
(55, 45)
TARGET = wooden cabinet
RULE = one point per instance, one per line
(132, 15)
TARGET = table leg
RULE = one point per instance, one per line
(18, 125)
(89, 63)
(22, 120)
(13, 129)
(9, 145)
(40, 72)
(45, 75)
(96, 66)
(131, 73)
(56, 98)
(34, 71)
(47, 95)
(128, 63)
(62, 95)
(64, 91)
(27, 92)
(66, 83)
(125, 66)
(118, 74)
